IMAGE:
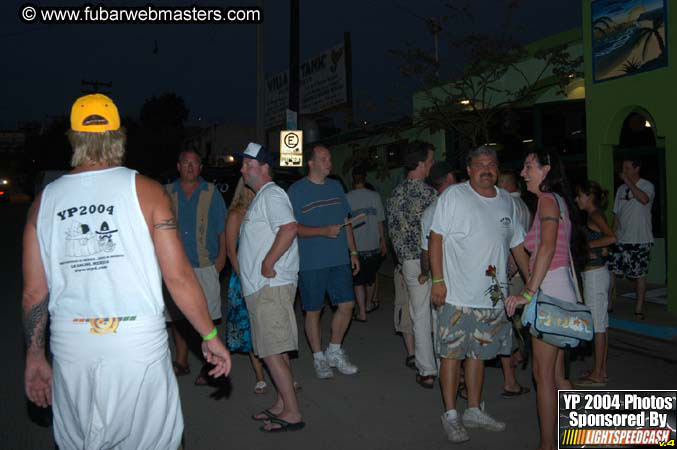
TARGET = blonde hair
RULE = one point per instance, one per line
(242, 197)
(107, 147)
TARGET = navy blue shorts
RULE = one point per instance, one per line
(337, 281)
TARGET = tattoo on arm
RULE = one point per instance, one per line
(35, 323)
(546, 218)
(167, 224)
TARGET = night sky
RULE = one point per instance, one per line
(213, 66)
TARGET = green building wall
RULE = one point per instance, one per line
(608, 103)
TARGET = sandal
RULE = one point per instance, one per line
(283, 426)
(410, 362)
(511, 394)
(203, 379)
(588, 372)
(264, 415)
(373, 307)
(297, 386)
(426, 381)
(180, 370)
(260, 387)
(639, 315)
(590, 382)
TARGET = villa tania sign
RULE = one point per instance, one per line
(323, 85)
(628, 37)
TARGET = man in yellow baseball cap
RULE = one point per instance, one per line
(112, 382)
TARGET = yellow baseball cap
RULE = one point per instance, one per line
(94, 113)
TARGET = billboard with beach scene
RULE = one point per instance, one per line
(628, 37)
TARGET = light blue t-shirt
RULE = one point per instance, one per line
(216, 221)
(317, 205)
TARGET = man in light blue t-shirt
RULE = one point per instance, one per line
(328, 259)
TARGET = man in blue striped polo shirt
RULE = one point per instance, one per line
(201, 214)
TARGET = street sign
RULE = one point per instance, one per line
(291, 148)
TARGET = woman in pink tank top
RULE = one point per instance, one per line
(548, 243)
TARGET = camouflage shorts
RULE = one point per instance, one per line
(474, 333)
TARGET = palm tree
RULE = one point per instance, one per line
(631, 66)
(647, 33)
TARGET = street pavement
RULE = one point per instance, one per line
(381, 407)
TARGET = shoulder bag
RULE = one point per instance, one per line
(558, 322)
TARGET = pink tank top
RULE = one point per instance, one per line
(561, 256)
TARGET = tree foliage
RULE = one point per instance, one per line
(155, 141)
(491, 82)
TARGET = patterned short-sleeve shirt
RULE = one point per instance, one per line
(403, 212)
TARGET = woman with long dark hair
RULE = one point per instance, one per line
(592, 199)
(553, 236)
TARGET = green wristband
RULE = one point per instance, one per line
(438, 280)
(527, 295)
(210, 336)
(354, 253)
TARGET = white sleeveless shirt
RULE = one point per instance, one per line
(96, 249)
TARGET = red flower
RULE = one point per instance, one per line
(491, 271)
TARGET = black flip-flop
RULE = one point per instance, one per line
(284, 426)
(512, 394)
(373, 307)
(266, 412)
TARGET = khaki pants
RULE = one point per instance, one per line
(421, 316)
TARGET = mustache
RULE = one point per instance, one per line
(486, 175)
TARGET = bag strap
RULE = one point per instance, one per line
(574, 278)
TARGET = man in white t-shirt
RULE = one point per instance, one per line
(630, 256)
(269, 264)
(474, 228)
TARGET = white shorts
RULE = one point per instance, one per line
(596, 295)
(208, 278)
(113, 385)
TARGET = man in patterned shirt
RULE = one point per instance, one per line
(404, 210)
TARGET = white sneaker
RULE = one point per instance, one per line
(339, 359)
(476, 418)
(455, 430)
(322, 369)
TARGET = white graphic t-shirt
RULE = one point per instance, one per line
(477, 232)
(95, 246)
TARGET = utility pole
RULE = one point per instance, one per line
(294, 101)
(95, 87)
(435, 28)
(260, 84)
(350, 116)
